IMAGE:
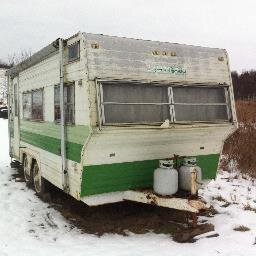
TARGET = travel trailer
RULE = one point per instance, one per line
(94, 114)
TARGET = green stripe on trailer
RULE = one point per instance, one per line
(98, 179)
(105, 178)
(46, 135)
(52, 145)
(209, 165)
(74, 133)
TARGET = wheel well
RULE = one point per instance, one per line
(33, 160)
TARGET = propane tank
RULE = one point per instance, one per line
(190, 175)
(165, 178)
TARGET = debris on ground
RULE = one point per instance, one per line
(188, 234)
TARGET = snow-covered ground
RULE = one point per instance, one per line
(29, 227)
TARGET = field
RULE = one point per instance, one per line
(240, 148)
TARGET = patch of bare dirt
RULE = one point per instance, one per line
(119, 218)
(124, 217)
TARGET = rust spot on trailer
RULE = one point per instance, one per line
(151, 198)
(197, 204)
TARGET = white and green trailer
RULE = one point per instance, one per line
(94, 114)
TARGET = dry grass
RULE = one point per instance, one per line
(245, 111)
(221, 199)
(241, 228)
(241, 146)
(249, 208)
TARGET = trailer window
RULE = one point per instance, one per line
(128, 103)
(200, 104)
(26, 103)
(32, 103)
(74, 51)
(147, 103)
(69, 103)
(37, 104)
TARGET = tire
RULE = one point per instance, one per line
(38, 181)
(27, 171)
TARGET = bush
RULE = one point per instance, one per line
(241, 146)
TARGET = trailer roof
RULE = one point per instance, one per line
(118, 44)
(148, 41)
(112, 57)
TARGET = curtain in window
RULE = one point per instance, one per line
(199, 104)
(147, 103)
(126, 103)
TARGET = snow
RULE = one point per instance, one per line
(29, 227)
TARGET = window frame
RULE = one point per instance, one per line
(103, 119)
(171, 103)
(42, 117)
(66, 104)
(31, 109)
(227, 104)
(77, 43)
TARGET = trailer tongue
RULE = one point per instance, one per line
(190, 207)
(149, 197)
(183, 204)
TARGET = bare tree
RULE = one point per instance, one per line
(13, 59)
(3, 91)
(16, 58)
(3, 82)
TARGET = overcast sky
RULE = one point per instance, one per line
(31, 25)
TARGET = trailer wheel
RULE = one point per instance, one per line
(38, 181)
(27, 171)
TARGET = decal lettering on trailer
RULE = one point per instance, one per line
(168, 70)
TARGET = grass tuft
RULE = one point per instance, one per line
(241, 228)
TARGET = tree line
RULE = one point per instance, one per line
(244, 85)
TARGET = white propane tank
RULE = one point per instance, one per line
(185, 174)
(165, 178)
